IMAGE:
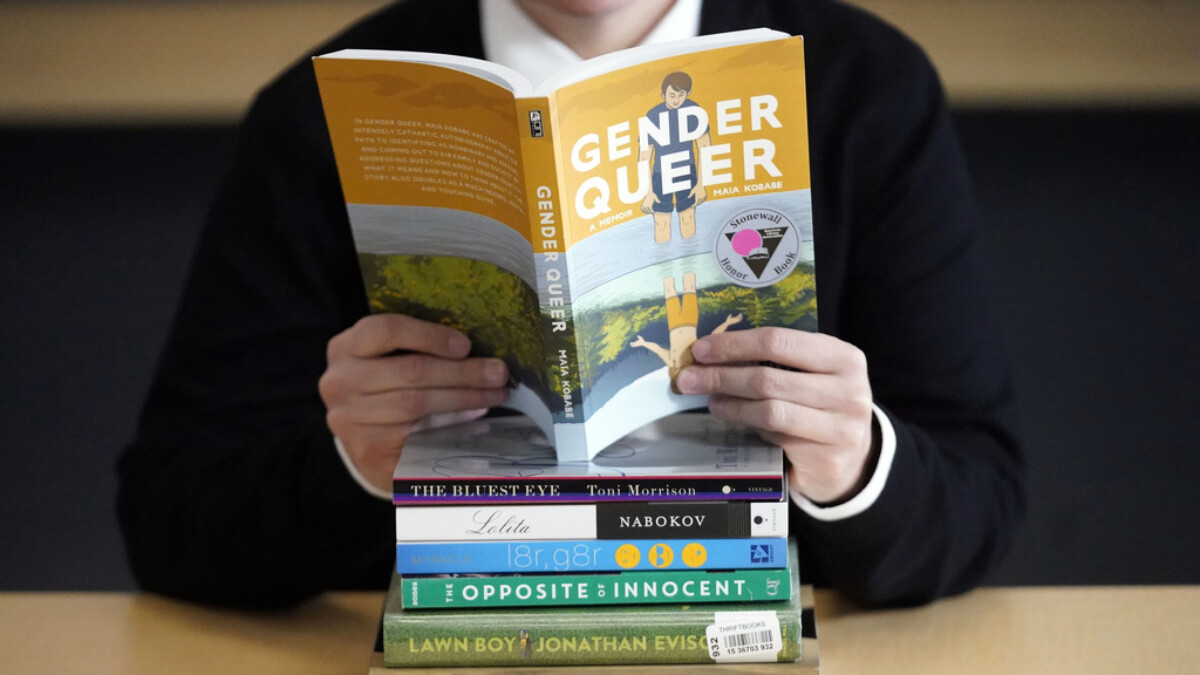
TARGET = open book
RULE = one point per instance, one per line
(586, 231)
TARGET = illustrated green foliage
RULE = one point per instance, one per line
(797, 299)
(605, 335)
(501, 316)
(489, 304)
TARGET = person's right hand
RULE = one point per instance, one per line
(389, 375)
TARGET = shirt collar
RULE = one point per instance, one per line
(512, 39)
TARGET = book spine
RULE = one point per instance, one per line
(674, 635)
(590, 489)
(588, 555)
(613, 520)
(548, 234)
(623, 588)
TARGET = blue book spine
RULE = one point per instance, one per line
(589, 555)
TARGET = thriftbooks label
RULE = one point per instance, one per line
(744, 637)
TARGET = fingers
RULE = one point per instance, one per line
(364, 384)
(381, 334)
(793, 422)
(819, 474)
(410, 371)
(410, 406)
(818, 407)
(801, 350)
(828, 449)
(813, 390)
(389, 375)
(819, 371)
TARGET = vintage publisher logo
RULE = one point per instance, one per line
(757, 247)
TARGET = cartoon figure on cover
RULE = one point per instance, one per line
(674, 161)
(683, 313)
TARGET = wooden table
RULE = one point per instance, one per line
(1002, 630)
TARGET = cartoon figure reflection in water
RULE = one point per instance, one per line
(683, 313)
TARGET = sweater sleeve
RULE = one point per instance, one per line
(913, 297)
(232, 491)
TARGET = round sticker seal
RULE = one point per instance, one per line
(757, 247)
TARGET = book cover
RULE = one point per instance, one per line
(589, 230)
(509, 460)
(605, 520)
(588, 555)
(443, 591)
(612, 634)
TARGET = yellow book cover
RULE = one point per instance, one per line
(589, 229)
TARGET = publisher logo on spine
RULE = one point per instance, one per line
(761, 554)
(535, 123)
(757, 247)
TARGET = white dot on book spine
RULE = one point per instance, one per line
(726, 489)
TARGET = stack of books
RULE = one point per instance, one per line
(668, 547)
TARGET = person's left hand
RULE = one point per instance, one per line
(817, 406)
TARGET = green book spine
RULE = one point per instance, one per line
(622, 588)
(582, 635)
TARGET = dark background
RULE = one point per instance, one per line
(1091, 218)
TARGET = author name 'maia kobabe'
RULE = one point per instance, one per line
(520, 490)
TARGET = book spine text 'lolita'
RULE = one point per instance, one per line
(612, 520)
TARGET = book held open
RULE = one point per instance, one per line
(589, 230)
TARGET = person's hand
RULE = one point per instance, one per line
(817, 406)
(389, 375)
(699, 194)
(648, 202)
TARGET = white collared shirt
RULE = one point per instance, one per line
(512, 39)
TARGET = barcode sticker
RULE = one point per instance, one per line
(744, 636)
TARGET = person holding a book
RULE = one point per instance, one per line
(278, 410)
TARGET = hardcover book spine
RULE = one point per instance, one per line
(673, 635)
(576, 555)
(613, 520)
(624, 588)
(590, 489)
(543, 196)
